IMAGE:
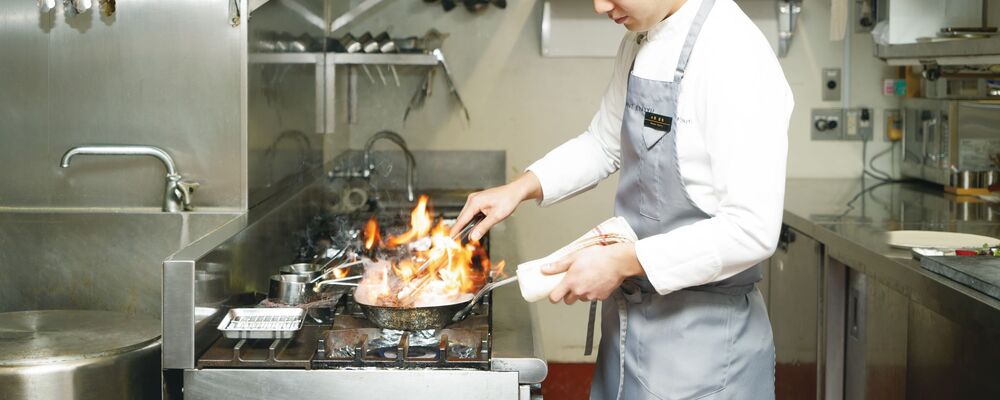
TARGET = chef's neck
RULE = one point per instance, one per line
(677, 4)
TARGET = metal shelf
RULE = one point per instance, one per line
(286, 58)
(971, 51)
(343, 58)
(391, 58)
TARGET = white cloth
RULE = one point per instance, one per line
(731, 127)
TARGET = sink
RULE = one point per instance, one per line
(102, 260)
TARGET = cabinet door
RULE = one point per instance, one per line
(793, 305)
(949, 359)
(876, 340)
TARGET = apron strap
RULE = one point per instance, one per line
(622, 331)
(692, 37)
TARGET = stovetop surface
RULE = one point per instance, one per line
(340, 336)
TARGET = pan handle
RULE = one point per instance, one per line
(475, 299)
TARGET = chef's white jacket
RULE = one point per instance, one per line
(731, 127)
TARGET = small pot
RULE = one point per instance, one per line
(305, 269)
(291, 289)
(989, 178)
(965, 179)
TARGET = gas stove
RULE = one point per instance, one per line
(337, 334)
(337, 352)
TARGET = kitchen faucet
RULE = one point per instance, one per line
(411, 163)
(178, 192)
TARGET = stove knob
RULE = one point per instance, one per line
(821, 125)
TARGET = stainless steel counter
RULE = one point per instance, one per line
(850, 218)
(885, 327)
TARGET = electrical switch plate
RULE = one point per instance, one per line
(831, 84)
(827, 124)
(858, 124)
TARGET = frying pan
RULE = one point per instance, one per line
(412, 318)
(421, 318)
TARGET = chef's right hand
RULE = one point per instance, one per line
(497, 204)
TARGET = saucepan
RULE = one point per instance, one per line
(296, 289)
(421, 318)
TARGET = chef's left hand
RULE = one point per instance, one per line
(593, 272)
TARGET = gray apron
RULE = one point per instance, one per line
(706, 342)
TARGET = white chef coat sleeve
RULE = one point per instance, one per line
(580, 163)
(747, 139)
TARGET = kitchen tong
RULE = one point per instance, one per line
(426, 86)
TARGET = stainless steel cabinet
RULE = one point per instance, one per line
(793, 303)
(950, 359)
(875, 340)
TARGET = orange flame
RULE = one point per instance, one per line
(420, 224)
(372, 235)
(452, 269)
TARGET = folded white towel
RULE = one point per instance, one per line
(536, 285)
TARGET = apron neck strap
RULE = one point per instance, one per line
(692, 37)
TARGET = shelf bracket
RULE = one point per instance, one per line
(353, 14)
(306, 14)
(788, 14)
(253, 5)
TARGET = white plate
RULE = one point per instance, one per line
(935, 239)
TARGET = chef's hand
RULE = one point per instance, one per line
(592, 273)
(497, 204)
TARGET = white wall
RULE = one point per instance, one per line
(526, 104)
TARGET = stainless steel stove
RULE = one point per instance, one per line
(337, 353)
(338, 336)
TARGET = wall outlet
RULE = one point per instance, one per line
(831, 84)
(827, 124)
(858, 124)
(893, 125)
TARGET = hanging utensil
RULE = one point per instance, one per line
(350, 44)
(353, 45)
(417, 101)
(369, 46)
(387, 45)
(451, 82)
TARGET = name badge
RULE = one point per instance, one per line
(658, 122)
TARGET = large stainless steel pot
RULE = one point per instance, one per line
(77, 355)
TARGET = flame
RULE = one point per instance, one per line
(341, 273)
(452, 269)
(372, 235)
(420, 224)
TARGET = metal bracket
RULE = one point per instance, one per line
(788, 14)
(305, 13)
(353, 14)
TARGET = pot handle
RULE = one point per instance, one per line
(461, 314)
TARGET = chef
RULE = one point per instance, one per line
(696, 119)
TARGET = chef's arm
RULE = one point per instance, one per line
(746, 138)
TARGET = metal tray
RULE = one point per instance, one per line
(262, 323)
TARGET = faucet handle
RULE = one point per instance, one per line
(184, 191)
